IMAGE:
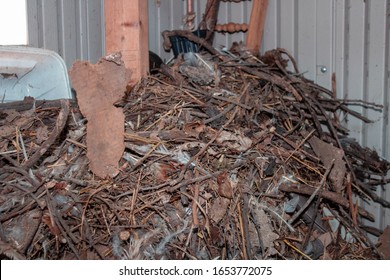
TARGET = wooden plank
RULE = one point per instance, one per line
(127, 32)
(256, 25)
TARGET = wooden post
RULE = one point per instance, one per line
(127, 32)
(256, 25)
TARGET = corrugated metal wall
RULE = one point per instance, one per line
(348, 37)
(73, 28)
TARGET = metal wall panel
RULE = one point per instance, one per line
(73, 28)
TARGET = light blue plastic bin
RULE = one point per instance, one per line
(26, 71)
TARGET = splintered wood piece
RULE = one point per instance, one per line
(98, 87)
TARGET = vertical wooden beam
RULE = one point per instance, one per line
(256, 25)
(127, 32)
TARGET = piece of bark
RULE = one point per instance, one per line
(327, 153)
(384, 243)
(29, 103)
(225, 188)
(99, 86)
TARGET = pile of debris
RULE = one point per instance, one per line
(227, 156)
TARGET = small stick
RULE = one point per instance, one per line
(207, 223)
(352, 209)
(194, 207)
(19, 137)
(296, 249)
(60, 124)
(242, 231)
(313, 195)
(332, 196)
(134, 199)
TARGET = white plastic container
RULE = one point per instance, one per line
(26, 71)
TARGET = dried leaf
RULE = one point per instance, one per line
(219, 208)
(194, 128)
(234, 140)
(161, 171)
(225, 188)
(42, 134)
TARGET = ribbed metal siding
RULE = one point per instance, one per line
(73, 28)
